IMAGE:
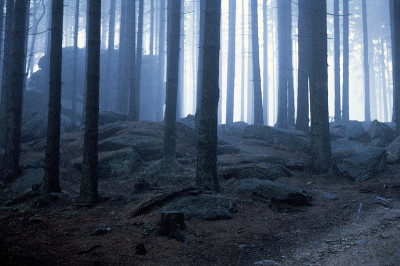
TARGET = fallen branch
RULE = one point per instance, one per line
(359, 211)
(88, 250)
(164, 198)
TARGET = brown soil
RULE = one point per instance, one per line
(331, 232)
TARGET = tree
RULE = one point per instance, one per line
(6, 75)
(231, 63)
(136, 99)
(304, 26)
(51, 181)
(122, 87)
(265, 64)
(181, 78)
(14, 112)
(258, 110)
(200, 63)
(173, 47)
(366, 63)
(110, 52)
(206, 174)
(161, 63)
(88, 190)
(284, 45)
(75, 66)
(320, 141)
(345, 102)
(338, 112)
(131, 60)
(396, 69)
(1, 28)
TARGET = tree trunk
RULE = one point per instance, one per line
(14, 114)
(383, 80)
(391, 6)
(51, 181)
(6, 75)
(366, 63)
(122, 87)
(161, 63)
(200, 63)
(302, 121)
(181, 78)
(1, 36)
(131, 60)
(88, 190)
(206, 175)
(265, 64)
(284, 44)
(345, 103)
(230, 99)
(110, 52)
(138, 73)
(396, 69)
(338, 112)
(242, 86)
(173, 47)
(320, 141)
(258, 110)
(75, 66)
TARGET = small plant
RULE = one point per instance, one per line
(148, 227)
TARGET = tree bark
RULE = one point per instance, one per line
(131, 60)
(181, 78)
(75, 66)
(338, 112)
(367, 109)
(161, 63)
(396, 69)
(230, 99)
(14, 113)
(136, 100)
(345, 102)
(265, 64)
(122, 87)
(110, 52)
(200, 63)
(88, 190)
(258, 110)
(173, 47)
(320, 141)
(51, 182)
(206, 174)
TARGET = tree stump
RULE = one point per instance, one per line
(171, 225)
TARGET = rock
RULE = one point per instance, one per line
(100, 229)
(382, 143)
(290, 163)
(262, 171)
(35, 220)
(393, 151)
(206, 207)
(356, 161)
(227, 149)
(27, 180)
(186, 129)
(353, 130)
(171, 224)
(38, 163)
(248, 185)
(119, 164)
(290, 139)
(111, 117)
(382, 131)
(233, 129)
(327, 195)
(281, 193)
(266, 262)
(110, 130)
(141, 186)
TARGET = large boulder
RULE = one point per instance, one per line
(111, 117)
(119, 164)
(186, 129)
(356, 161)
(393, 151)
(264, 171)
(206, 207)
(290, 139)
(233, 129)
(379, 130)
(353, 130)
(30, 177)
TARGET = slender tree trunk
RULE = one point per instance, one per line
(345, 103)
(138, 72)
(383, 79)
(122, 87)
(284, 29)
(391, 6)
(51, 182)
(6, 75)
(320, 141)
(258, 110)
(230, 99)
(338, 111)
(242, 86)
(302, 121)
(181, 79)
(75, 66)
(1, 36)
(396, 68)
(173, 47)
(161, 63)
(265, 64)
(200, 63)
(14, 114)
(110, 52)
(366, 63)
(131, 45)
(88, 191)
(206, 175)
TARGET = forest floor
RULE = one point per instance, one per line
(360, 227)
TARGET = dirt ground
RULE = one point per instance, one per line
(360, 227)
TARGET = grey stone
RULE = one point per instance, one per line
(382, 131)
(111, 117)
(110, 130)
(119, 164)
(27, 180)
(290, 139)
(379, 143)
(266, 262)
(393, 151)
(100, 229)
(186, 129)
(353, 130)
(268, 171)
(290, 163)
(327, 195)
(206, 207)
